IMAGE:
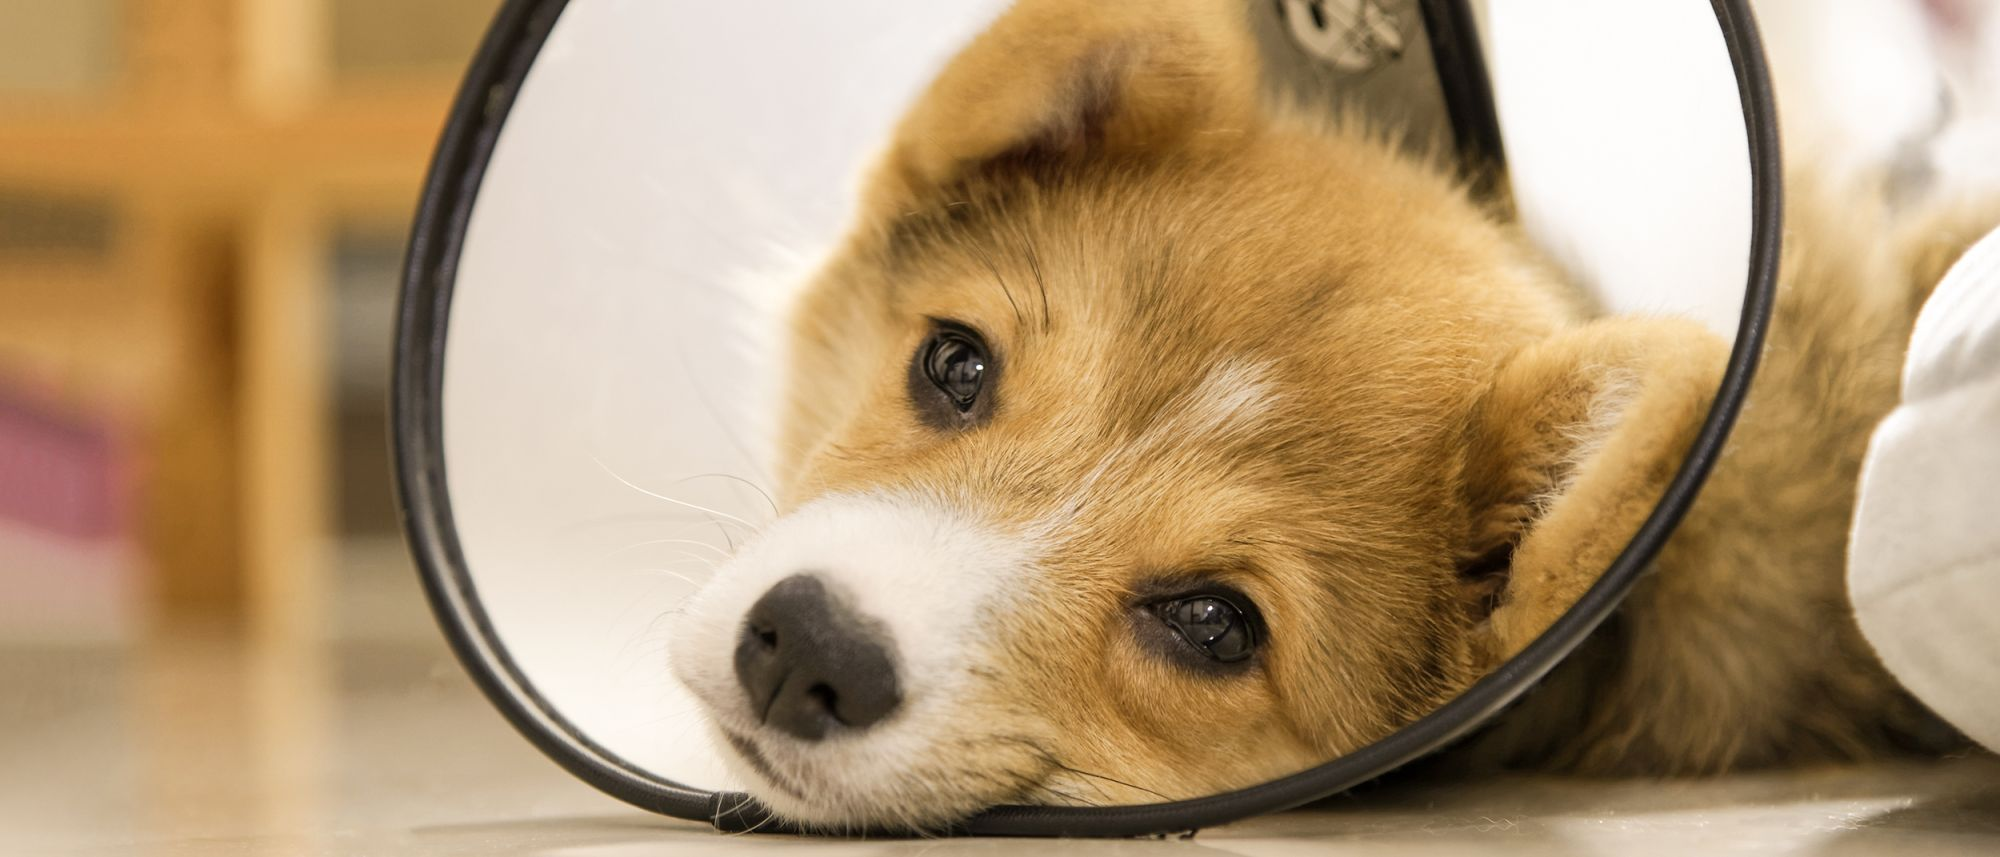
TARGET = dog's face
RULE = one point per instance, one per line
(1140, 445)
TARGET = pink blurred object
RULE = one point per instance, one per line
(1953, 15)
(59, 476)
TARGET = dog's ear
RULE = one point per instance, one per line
(1055, 80)
(1569, 448)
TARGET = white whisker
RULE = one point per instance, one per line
(670, 573)
(752, 485)
(674, 500)
(697, 543)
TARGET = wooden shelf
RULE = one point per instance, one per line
(227, 153)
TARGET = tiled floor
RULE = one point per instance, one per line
(378, 745)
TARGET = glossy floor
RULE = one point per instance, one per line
(376, 744)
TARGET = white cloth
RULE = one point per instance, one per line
(1924, 568)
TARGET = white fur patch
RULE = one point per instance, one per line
(927, 572)
(1233, 395)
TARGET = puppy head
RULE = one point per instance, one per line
(1141, 444)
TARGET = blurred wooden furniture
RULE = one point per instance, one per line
(227, 147)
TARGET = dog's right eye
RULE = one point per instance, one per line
(950, 375)
(956, 365)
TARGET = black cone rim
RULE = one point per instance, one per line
(437, 238)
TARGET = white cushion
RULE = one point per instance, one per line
(1924, 565)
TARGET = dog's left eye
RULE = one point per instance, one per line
(955, 361)
(1212, 624)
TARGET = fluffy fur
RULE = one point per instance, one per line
(1240, 346)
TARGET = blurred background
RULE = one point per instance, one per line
(209, 627)
(202, 210)
(203, 205)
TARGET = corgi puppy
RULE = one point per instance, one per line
(1142, 441)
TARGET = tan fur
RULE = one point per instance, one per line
(1740, 649)
(1093, 187)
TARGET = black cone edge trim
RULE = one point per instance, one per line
(1460, 65)
(416, 423)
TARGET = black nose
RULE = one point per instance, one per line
(810, 662)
